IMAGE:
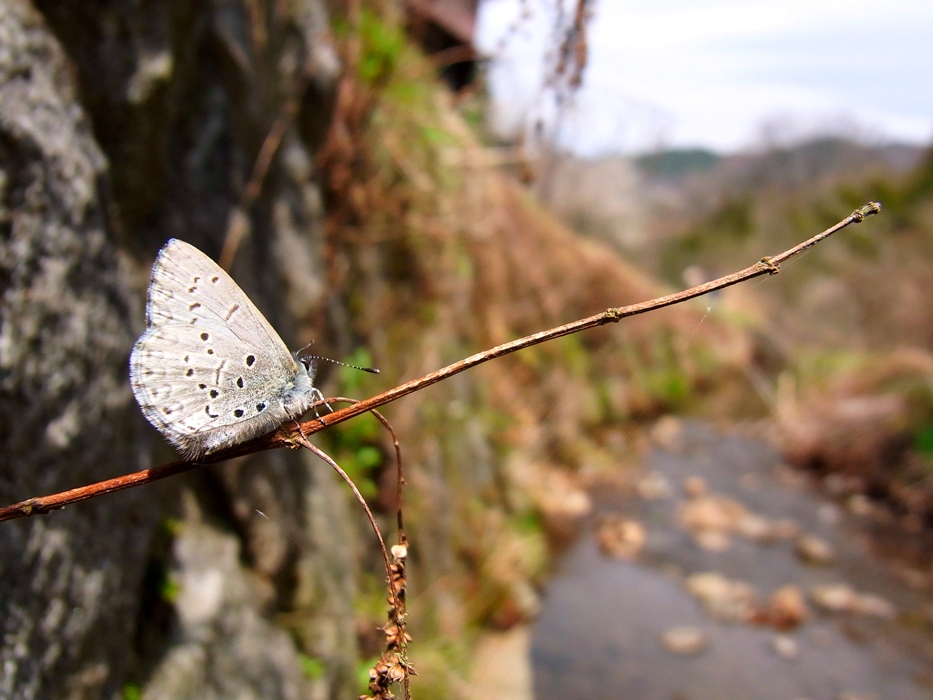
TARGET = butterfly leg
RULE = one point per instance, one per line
(319, 398)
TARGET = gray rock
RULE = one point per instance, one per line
(120, 127)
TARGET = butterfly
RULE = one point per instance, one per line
(210, 371)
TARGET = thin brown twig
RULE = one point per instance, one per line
(767, 265)
(394, 666)
(399, 472)
(303, 441)
(238, 228)
(286, 437)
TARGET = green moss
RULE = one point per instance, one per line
(436, 137)
(923, 441)
(381, 46)
(172, 526)
(169, 589)
(528, 523)
(370, 602)
(311, 667)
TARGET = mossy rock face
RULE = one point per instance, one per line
(124, 131)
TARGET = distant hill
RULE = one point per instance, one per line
(633, 202)
(814, 159)
(677, 162)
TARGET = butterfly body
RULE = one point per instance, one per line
(210, 371)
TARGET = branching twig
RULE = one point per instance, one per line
(287, 437)
(238, 227)
(399, 472)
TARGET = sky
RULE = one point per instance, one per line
(718, 74)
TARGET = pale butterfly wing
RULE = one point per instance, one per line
(188, 287)
(210, 371)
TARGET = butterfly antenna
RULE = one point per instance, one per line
(371, 370)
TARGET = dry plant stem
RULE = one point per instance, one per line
(400, 476)
(301, 440)
(393, 666)
(285, 437)
(394, 659)
(238, 229)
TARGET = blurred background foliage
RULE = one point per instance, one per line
(831, 358)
